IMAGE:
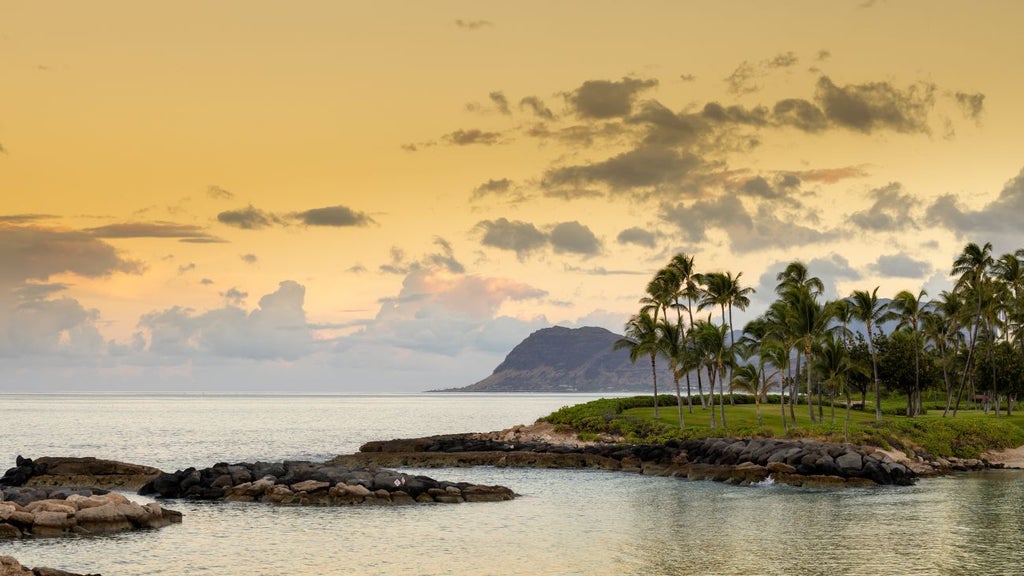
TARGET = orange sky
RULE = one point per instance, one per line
(345, 196)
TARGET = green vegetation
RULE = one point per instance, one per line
(966, 436)
(966, 346)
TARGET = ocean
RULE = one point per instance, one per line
(563, 521)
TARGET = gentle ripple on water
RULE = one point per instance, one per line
(564, 522)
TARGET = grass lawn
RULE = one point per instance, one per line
(966, 436)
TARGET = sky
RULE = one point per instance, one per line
(333, 196)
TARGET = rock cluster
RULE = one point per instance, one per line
(799, 462)
(74, 471)
(11, 567)
(309, 483)
(37, 512)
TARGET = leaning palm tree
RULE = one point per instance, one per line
(871, 312)
(910, 309)
(641, 338)
(710, 342)
(944, 331)
(810, 321)
(749, 377)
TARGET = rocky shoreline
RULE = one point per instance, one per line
(9, 566)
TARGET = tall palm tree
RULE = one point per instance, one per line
(641, 338)
(688, 288)
(810, 321)
(909, 309)
(971, 269)
(871, 312)
(943, 329)
(672, 343)
(710, 341)
(833, 362)
(796, 275)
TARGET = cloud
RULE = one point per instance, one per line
(186, 232)
(800, 114)
(23, 218)
(492, 187)
(234, 296)
(972, 105)
(537, 106)
(688, 77)
(638, 236)
(335, 216)
(32, 292)
(1004, 215)
(890, 211)
(830, 175)
(470, 137)
(500, 102)
(781, 186)
(575, 238)
(744, 79)
(37, 326)
(600, 99)
(876, 105)
(186, 268)
(249, 258)
(471, 25)
(206, 282)
(445, 259)
(37, 253)
(643, 169)
(517, 236)
(218, 193)
(900, 266)
(276, 330)
(248, 218)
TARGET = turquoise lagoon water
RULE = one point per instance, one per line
(564, 522)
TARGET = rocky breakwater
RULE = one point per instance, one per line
(740, 461)
(33, 511)
(315, 484)
(78, 472)
(9, 566)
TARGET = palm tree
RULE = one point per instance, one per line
(710, 342)
(641, 338)
(910, 309)
(810, 321)
(971, 268)
(688, 287)
(672, 343)
(871, 312)
(750, 377)
(796, 275)
(833, 362)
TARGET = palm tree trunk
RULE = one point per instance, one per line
(711, 397)
(654, 376)
(689, 399)
(679, 398)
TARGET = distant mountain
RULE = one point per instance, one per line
(561, 359)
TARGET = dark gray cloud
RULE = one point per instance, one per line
(735, 114)
(688, 77)
(248, 218)
(334, 216)
(218, 193)
(472, 136)
(36, 253)
(638, 236)
(575, 238)
(876, 105)
(206, 282)
(800, 114)
(517, 236)
(972, 105)
(537, 106)
(900, 266)
(444, 259)
(643, 170)
(471, 25)
(152, 230)
(784, 60)
(191, 266)
(24, 218)
(249, 258)
(601, 99)
(500, 102)
(890, 212)
(666, 128)
(493, 187)
(779, 187)
(1004, 215)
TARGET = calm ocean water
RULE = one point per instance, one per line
(564, 522)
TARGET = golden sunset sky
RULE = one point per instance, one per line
(388, 196)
